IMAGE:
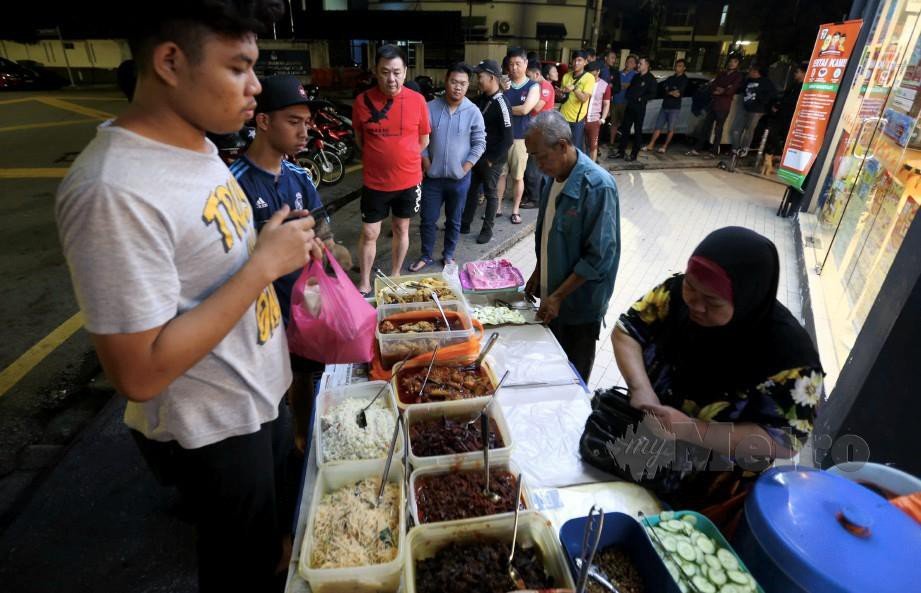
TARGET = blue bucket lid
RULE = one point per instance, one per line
(831, 534)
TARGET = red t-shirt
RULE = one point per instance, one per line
(548, 95)
(390, 128)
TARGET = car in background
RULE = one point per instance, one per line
(688, 122)
(27, 75)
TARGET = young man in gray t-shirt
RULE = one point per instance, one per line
(176, 288)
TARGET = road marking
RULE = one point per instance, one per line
(75, 108)
(14, 373)
(19, 100)
(49, 124)
(40, 173)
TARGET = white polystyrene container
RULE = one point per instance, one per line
(459, 410)
(533, 530)
(378, 578)
(442, 469)
(395, 347)
(329, 398)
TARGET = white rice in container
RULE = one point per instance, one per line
(344, 440)
(349, 529)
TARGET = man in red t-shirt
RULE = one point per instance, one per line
(547, 93)
(392, 128)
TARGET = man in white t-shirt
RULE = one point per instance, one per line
(577, 240)
(176, 289)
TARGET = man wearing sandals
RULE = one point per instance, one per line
(577, 240)
(670, 113)
(392, 128)
(458, 140)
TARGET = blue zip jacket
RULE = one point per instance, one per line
(585, 240)
(455, 139)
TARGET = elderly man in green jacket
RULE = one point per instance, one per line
(577, 240)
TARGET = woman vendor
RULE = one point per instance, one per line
(722, 365)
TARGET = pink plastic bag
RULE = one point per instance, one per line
(344, 330)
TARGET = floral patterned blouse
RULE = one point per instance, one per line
(783, 404)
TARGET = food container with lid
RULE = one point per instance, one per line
(533, 530)
(377, 578)
(807, 530)
(329, 398)
(395, 347)
(431, 471)
(452, 282)
(624, 532)
(462, 411)
(423, 364)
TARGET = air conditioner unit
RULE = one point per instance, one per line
(501, 29)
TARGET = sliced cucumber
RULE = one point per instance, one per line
(717, 576)
(674, 525)
(703, 585)
(690, 519)
(682, 587)
(706, 546)
(689, 569)
(728, 560)
(737, 577)
(666, 515)
(687, 551)
(713, 562)
(730, 588)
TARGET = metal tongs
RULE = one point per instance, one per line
(393, 446)
(517, 581)
(396, 288)
(593, 528)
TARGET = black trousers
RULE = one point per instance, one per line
(634, 114)
(717, 118)
(241, 494)
(487, 177)
(532, 177)
(578, 342)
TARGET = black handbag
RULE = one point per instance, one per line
(615, 440)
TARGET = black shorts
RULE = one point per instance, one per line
(377, 205)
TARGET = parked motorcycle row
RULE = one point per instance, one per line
(330, 143)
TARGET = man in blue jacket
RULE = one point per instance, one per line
(577, 240)
(456, 143)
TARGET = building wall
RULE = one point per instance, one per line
(522, 16)
(88, 53)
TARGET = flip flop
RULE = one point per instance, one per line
(515, 218)
(421, 264)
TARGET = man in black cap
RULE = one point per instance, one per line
(499, 138)
(270, 181)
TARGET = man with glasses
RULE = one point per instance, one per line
(457, 141)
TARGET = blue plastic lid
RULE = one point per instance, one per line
(831, 534)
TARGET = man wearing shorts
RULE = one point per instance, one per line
(579, 84)
(667, 119)
(598, 107)
(175, 286)
(522, 97)
(392, 128)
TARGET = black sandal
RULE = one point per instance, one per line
(515, 218)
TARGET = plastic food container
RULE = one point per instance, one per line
(495, 276)
(459, 410)
(808, 530)
(378, 578)
(331, 397)
(443, 469)
(624, 532)
(453, 284)
(486, 366)
(533, 530)
(395, 347)
(705, 526)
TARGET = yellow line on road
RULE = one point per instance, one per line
(14, 373)
(40, 173)
(49, 124)
(74, 107)
(19, 100)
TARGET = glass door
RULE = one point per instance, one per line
(862, 217)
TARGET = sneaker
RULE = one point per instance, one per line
(615, 155)
(485, 236)
(465, 229)
(692, 152)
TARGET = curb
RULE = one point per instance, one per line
(508, 243)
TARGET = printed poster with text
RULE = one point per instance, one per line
(829, 59)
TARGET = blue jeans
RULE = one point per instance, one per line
(452, 194)
(578, 133)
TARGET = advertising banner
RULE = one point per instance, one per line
(833, 48)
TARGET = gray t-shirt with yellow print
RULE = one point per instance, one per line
(150, 231)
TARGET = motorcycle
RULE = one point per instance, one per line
(230, 147)
(335, 130)
(328, 164)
